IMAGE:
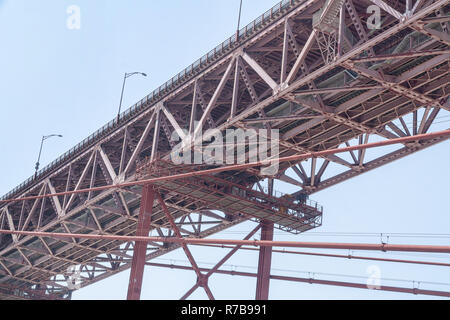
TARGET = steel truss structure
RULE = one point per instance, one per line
(308, 68)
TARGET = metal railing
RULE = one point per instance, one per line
(278, 194)
(244, 34)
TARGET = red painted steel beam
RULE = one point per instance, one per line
(140, 247)
(256, 243)
(202, 280)
(411, 54)
(294, 158)
(33, 294)
(221, 262)
(335, 89)
(265, 262)
(415, 291)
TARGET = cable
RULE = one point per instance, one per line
(355, 234)
(309, 273)
(350, 256)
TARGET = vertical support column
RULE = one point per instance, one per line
(408, 7)
(234, 101)
(341, 30)
(265, 262)
(285, 56)
(140, 248)
(193, 110)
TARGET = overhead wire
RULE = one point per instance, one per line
(309, 273)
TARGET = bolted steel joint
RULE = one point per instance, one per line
(202, 281)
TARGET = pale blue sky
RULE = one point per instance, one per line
(56, 80)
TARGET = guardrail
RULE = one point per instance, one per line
(279, 194)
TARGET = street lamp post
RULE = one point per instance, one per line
(126, 76)
(40, 150)
(239, 22)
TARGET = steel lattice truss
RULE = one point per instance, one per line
(311, 69)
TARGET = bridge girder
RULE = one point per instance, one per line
(278, 69)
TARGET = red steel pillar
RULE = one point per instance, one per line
(265, 262)
(140, 248)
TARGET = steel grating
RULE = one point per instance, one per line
(218, 194)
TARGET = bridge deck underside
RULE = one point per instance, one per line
(281, 74)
